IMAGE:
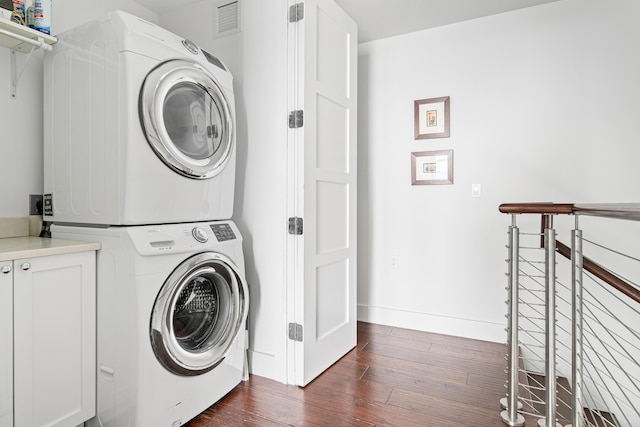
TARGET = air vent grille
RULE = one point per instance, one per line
(227, 18)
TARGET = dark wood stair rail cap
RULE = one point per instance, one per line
(628, 211)
(537, 208)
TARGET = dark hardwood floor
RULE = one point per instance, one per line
(394, 377)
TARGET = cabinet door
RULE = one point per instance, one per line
(54, 340)
(6, 344)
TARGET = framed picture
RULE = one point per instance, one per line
(431, 118)
(432, 167)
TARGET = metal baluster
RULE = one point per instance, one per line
(550, 325)
(577, 419)
(510, 415)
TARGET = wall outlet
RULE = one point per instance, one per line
(35, 204)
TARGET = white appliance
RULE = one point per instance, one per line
(138, 127)
(172, 306)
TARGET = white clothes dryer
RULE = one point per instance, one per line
(139, 127)
(172, 307)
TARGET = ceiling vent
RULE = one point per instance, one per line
(227, 18)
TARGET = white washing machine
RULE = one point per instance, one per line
(138, 127)
(172, 306)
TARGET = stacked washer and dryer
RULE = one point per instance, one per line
(140, 156)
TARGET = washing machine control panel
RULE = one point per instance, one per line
(177, 238)
(200, 234)
(223, 232)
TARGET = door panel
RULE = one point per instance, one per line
(332, 154)
(332, 295)
(322, 274)
(333, 49)
(332, 219)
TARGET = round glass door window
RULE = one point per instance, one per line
(197, 314)
(186, 119)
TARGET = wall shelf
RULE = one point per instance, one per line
(23, 39)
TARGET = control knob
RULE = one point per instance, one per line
(199, 234)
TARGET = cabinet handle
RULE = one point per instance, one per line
(25, 266)
(6, 269)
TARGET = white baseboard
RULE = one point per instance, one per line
(265, 365)
(467, 328)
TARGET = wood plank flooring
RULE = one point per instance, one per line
(394, 377)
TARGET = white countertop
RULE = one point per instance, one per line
(31, 247)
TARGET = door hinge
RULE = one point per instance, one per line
(296, 119)
(296, 12)
(296, 226)
(295, 332)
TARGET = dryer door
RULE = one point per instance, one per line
(198, 313)
(186, 118)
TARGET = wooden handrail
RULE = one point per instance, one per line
(628, 211)
(601, 273)
(537, 208)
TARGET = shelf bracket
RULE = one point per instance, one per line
(15, 75)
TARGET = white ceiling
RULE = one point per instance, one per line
(378, 19)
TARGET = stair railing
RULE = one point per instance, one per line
(573, 349)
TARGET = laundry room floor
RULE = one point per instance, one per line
(394, 377)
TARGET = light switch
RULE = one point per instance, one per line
(476, 189)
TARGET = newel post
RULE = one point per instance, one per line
(510, 415)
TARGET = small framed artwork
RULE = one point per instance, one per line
(432, 167)
(431, 118)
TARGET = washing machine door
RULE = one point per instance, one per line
(186, 118)
(198, 313)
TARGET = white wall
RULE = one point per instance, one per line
(21, 118)
(257, 58)
(261, 199)
(544, 107)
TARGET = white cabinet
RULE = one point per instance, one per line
(54, 320)
(6, 344)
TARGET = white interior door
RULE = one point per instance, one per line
(322, 189)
